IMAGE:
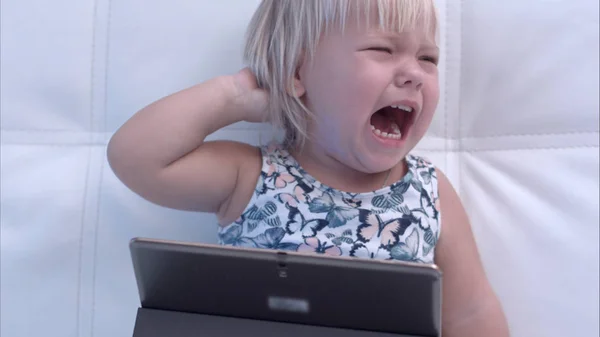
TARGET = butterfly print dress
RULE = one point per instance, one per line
(291, 210)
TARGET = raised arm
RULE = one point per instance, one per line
(160, 153)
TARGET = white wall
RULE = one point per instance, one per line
(516, 131)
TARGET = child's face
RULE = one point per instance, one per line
(356, 74)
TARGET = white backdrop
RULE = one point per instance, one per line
(516, 131)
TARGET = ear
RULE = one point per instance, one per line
(297, 88)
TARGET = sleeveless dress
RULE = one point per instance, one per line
(290, 210)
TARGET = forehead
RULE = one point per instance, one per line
(390, 17)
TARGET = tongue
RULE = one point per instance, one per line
(381, 121)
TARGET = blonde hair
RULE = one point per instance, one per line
(284, 33)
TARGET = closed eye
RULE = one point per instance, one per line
(431, 59)
(381, 49)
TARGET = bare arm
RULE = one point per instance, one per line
(470, 306)
(161, 155)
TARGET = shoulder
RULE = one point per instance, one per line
(425, 173)
(450, 201)
(470, 302)
(275, 153)
(456, 252)
(259, 160)
(453, 214)
(251, 162)
(421, 166)
(418, 161)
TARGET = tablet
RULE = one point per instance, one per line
(282, 286)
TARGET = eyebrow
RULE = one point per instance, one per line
(393, 37)
(430, 47)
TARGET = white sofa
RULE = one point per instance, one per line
(516, 131)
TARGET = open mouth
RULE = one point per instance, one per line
(392, 122)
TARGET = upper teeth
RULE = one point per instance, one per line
(402, 107)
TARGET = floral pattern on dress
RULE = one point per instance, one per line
(291, 210)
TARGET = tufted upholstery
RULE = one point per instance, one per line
(516, 131)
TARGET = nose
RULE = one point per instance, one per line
(409, 75)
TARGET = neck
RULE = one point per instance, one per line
(331, 172)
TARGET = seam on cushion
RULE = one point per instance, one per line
(43, 130)
(590, 146)
(81, 234)
(257, 129)
(93, 67)
(102, 142)
(446, 82)
(532, 134)
(101, 180)
(89, 163)
(56, 145)
(107, 65)
(542, 148)
(461, 82)
(253, 127)
(96, 226)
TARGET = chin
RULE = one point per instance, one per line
(375, 159)
(374, 162)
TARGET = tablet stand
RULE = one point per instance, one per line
(158, 323)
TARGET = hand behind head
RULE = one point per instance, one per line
(251, 100)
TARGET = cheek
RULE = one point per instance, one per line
(324, 88)
(430, 102)
(342, 99)
(361, 89)
(431, 92)
(422, 125)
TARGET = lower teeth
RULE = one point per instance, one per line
(396, 135)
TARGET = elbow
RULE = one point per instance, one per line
(133, 171)
(122, 161)
(115, 156)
